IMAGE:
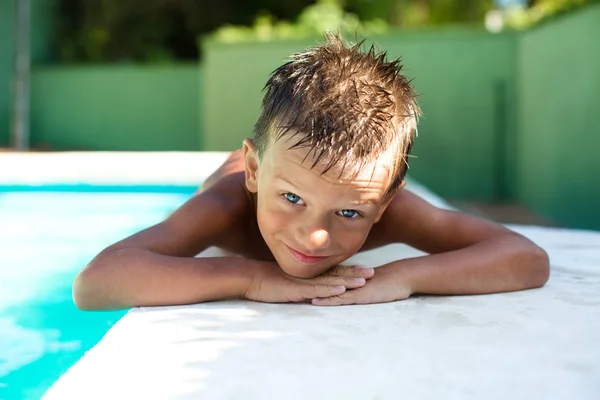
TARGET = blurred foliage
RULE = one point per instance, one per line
(420, 13)
(362, 17)
(314, 20)
(150, 30)
(154, 31)
(541, 11)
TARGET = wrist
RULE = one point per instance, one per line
(222, 278)
(406, 275)
(252, 274)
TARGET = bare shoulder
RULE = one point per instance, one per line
(231, 169)
(222, 194)
(221, 199)
(199, 223)
(224, 190)
(412, 220)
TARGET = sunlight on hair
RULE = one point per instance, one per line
(346, 104)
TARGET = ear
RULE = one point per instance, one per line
(251, 164)
(387, 202)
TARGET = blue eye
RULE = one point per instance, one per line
(350, 214)
(293, 198)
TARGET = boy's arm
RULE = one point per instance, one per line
(156, 266)
(468, 255)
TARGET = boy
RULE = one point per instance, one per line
(321, 180)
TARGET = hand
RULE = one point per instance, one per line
(388, 284)
(272, 285)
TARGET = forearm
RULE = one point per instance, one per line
(503, 264)
(135, 277)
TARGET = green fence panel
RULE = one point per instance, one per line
(559, 119)
(116, 107)
(40, 37)
(7, 39)
(466, 84)
(234, 76)
(465, 79)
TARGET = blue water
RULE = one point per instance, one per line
(47, 234)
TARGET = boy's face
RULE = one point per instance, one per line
(312, 222)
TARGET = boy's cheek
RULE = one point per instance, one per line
(353, 239)
(274, 218)
(274, 226)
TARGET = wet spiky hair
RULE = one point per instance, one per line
(347, 106)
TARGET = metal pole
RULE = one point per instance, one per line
(20, 123)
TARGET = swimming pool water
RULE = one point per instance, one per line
(47, 234)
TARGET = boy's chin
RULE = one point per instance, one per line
(304, 272)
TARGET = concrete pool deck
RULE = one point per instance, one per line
(537, 344)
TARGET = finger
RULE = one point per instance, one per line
(343, 299)
(315, 290)
(356, 271)
(346, 281)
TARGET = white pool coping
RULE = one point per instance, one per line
(537, 344)
(108, 168)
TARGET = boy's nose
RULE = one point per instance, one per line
(319, 239)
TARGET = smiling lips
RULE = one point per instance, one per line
(304, 258)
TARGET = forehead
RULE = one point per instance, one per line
(302, 163)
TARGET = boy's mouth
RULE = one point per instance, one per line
(305, 258)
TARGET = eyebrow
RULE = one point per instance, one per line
(280, 177)
(359, 202)
(367, 202)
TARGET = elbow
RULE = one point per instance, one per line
(79, 298)
(538, 266)
(82, 292)
(89, 290)
(86, 293)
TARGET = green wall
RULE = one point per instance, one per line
(116, 107)
(234, 76)
(466, 84)
(559, 119)
(465, 79)
(98, 107)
